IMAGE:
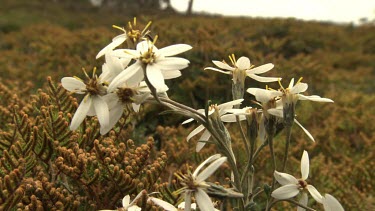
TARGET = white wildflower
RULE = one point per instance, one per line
(292, 186)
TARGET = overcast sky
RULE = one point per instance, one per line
(328, 10)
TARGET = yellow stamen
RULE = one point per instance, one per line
(146, 27)
(280, 84)
(77, 78)
(299, 80)
(94, 72)
(84, 71)
(119, 28)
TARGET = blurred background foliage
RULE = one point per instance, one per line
(43, 38)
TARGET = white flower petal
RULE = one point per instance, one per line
(81, 112)
(232, 118)
(174, 49)
(291, 83)
(315, 193)
(101, 110)
(263, 79)
(114, 115)
(276, 112)
(187, 121)
(126, 201)
(165, 205)
(203, 200)
(303, 201)
(286, 191)
(305, 165)
(217, 70)
(299, 87)
(330, 203)
(210, 169)
(263, 95)
(155, 77)
(243, 63)
(115, 42)
(304, 130)
(223, 65)
(125, 53)
(208, 160)
(172, 63)
(314, 98)
(168, 74)
(195, 132)
(284, 178)
(203, 140)
(119, 80)
(187, 201)
(228, 105)
(73, 85)
(261, 69)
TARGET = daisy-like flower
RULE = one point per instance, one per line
(93, 103)
(159, 64)
(195, 183)
(292, 186)
(222, 109)
(132, 36)
(242, 68)
(330, 203)
(130, 96)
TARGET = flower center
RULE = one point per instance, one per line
(302, 183)
(94, 87)
(148, 57)
(126, 95)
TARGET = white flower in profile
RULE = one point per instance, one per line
(278, 112)
(159, 64)
(292, 186)
(330, 203)
(222, 109)
(128, 205)
(242, 68)
(132, 36)
(194, 183)
(93, 103)
(293, 92)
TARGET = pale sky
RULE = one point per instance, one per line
(343, 11)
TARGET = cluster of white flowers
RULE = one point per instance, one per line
(137, 74)
(121, 82)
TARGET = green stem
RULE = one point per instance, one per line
(288, 136)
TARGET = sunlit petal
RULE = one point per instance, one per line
(223, 65)
(203, 200)
(210, 169)
(195, 132)
(261, 69)
(286, 191)
(304, 130)
(299, 87)
(208, 160)
(155, 77)
(81, 112)
(330, 203)
(305, 165)
(284, 178)
(73, 85)
(303, 200)
(101, 110)
(174, 49)
(165, 205)
(263, 79)
(243, 63)
(315, 193)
